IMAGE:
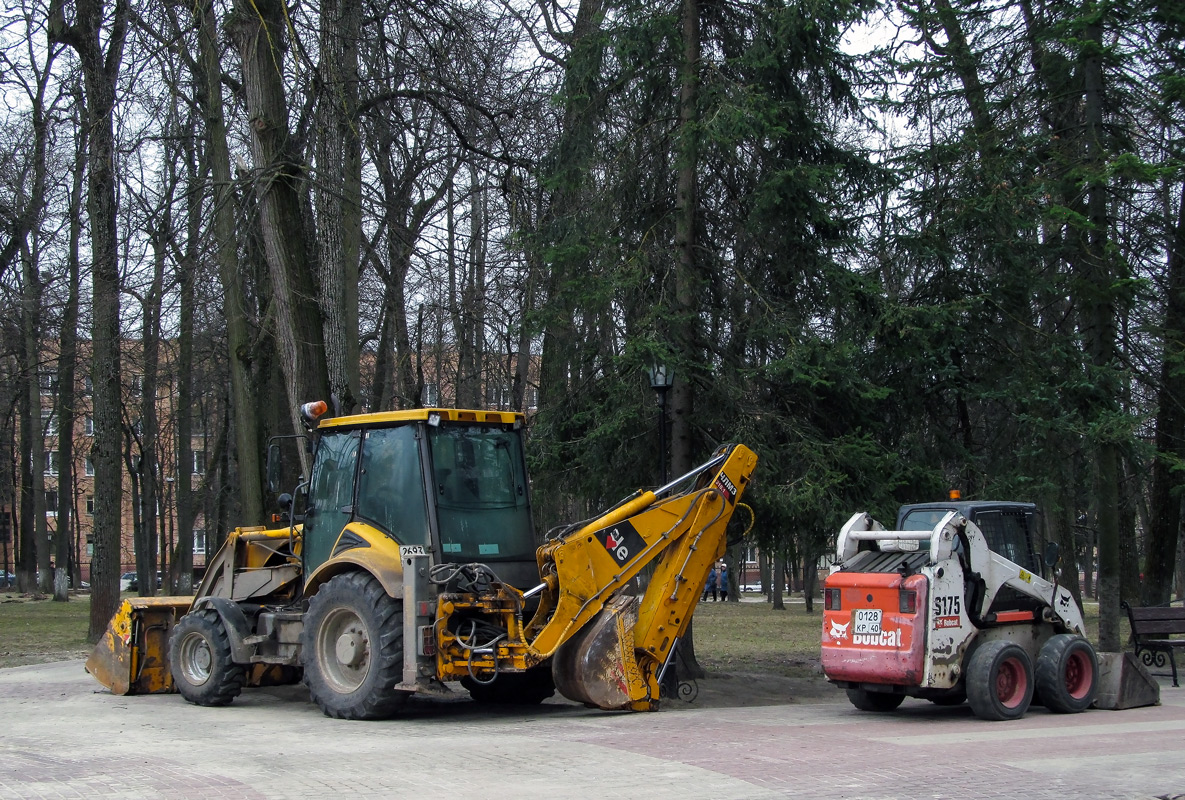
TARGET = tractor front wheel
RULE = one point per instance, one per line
(352, 648)
(1000, 681)
(1067, 674)
(875, 701)
(200, 660)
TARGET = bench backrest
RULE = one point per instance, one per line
(1157, 621)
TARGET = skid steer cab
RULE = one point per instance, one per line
(952, 607)
(409, 560)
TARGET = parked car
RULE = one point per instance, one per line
(134, 583)
(126, 580)
(7, 580)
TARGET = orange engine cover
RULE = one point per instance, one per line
(869, 639)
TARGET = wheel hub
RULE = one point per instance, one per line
(351, 648)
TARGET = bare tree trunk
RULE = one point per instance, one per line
(100, 68)
(778, 580)
(32, 440)
(1165, 529)
(66, 558)
(259, 31)
(148, 543)
(243, 403)
(338, 194)
(1097, 280)
(686, 281)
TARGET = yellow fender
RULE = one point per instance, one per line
(362, 546)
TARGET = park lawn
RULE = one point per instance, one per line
(39, 631)
(729, 637)
(752, 637)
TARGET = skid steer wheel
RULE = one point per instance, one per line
(528, 688)
(1000, 681)
(200, 661)
(352, 648)
(874, 701)
(1067, 674)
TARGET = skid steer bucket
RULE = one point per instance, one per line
(597, 666)
(133, 655)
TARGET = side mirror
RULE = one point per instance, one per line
(1052, 554)
(275, 468)
(284, 501)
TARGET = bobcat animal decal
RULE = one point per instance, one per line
(839, 631)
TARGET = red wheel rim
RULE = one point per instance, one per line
(1011, 683)
(1079, 675)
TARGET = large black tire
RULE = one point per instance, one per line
(1000, 681)
(875, 701)
(1067, 674)
(352, 648)
(528, 688)
(200, 660)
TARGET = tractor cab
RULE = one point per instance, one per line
(452, 481)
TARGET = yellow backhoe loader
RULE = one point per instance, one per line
(409, 559)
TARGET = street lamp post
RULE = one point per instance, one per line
(662, 378)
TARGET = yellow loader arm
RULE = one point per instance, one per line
(610, 646)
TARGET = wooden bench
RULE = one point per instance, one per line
(1152, 629)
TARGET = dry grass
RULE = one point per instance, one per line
(36, 630)
(752, 637)
(729, 637)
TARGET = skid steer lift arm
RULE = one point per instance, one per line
(956, 537)
(606, 644)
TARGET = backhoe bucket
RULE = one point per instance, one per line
(133, 655)
(597, 666)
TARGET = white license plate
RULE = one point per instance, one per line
(868, 621)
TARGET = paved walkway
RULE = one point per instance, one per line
(62, 736)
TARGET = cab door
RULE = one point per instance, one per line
(331, 496)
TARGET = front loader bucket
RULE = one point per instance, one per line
(597, 666)
(133, 655)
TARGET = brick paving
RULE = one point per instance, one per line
(61, 736)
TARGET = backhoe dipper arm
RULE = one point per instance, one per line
(684, 533)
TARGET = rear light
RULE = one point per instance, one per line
(831, 600)
(427, 640)
(907, 601)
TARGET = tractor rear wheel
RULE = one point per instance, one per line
(352, 648)
(200, 660)
(1067, 674)
(1000, 681)
(875, 701)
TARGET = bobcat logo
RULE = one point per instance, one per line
(839, 631)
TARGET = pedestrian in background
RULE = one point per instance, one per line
(710, 586)
(722, 580)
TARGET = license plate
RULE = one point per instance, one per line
(867, 621)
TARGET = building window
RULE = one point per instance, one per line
(88, 386)
(51, 462)
(90, 504)
(137, 383)
(199, 541)
(49, 422)
(431, 395)
(532, 397)
(199, 462)
(89, 426)
(498, 396)
(51, 503)
(48, 381)
(90, 467)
